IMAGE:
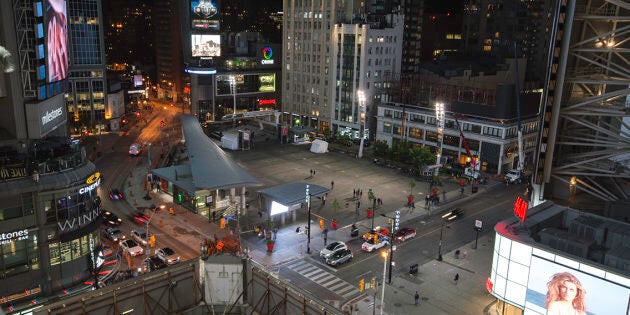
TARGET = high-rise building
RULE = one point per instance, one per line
(171, 79)
(493, 27)
(49, 209)
(413, 11)
(332, 50)
(86, 97)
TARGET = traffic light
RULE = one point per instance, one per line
(361, 285)
(373, 283)
(321, 223)
(152, 241)
(222, 224)
(180, 198)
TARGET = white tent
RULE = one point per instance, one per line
(319, 146)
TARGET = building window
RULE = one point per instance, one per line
(387, 128)
(416, 133)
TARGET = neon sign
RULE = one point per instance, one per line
(267, 54)
(520, 208)
(93, 181)
(267, 102)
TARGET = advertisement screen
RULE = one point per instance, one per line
(247, 83)
(206, 45)
(55, 20)
(204, 15)
(556, 289)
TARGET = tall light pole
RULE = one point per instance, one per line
(394, 227)
(362, 117)
(232, 80)
(440, 246)
(384, 254)
(439, 117)
(154, 209)
(308, 220)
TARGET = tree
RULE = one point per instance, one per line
(412, 184)
(380, 149)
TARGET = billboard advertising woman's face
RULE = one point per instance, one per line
(558, 290)
(56, 40)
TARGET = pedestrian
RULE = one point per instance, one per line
(311, 172)
(332, 185)
(461, 191)
(323, 200)
(259, 214)
(275, 233)
(444, 195)
(465, 254)
(456, 278)
(354, 193)
(325, 239)
(358, 204)
(360, 193)
(426, 200)
(416, 298)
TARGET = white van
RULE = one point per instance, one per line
(135, 149)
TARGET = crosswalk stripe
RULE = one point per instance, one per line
(324, 278)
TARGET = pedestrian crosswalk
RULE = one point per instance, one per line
(324, 278)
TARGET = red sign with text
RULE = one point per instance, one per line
(520, 208)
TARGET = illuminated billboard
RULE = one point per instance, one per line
(542, 282)
(55, 21)
(250, 83)
(556, 289)
(205, 45)
(204, 15)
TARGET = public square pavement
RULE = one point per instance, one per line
(274, 164)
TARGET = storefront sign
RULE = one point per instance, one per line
(10, 172)
(92, 182)
(267, 54)
(79, 221)
(51, 115)
(6, 238)
(267, 102)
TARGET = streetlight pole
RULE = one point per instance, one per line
(373, 197)
(154, 209)
(384, 254)
(308, 220)
(361, 96)
(440, 246)
(439, 117)
(394, 227)
(232, 80)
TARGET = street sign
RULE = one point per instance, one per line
(478, 224)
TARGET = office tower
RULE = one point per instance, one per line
(86, 97)
(171, 79)
(333, 49)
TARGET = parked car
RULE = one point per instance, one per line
(140, 236)
(370, 245)
(110, 218)
(377, 230)
(167, 255)
(405, 234)
(131, 247)
(453, 214)
(339, 257)
(114, 234)
(115, 194)
(153, 263)
(331, 248)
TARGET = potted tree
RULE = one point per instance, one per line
(335, 207)
(372, 198)
(269, 239)
(410, 198)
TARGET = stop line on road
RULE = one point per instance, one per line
(324, 278)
